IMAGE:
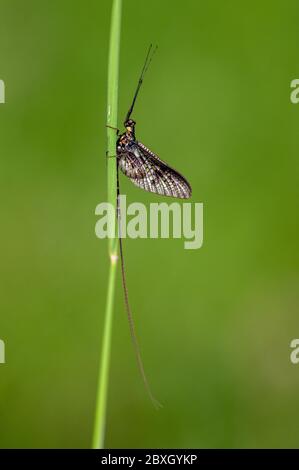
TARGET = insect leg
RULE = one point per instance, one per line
(114, 128)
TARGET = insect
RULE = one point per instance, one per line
(144, 168)
(147, 171)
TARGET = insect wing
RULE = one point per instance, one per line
(147, 171)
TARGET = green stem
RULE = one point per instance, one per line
(112, 102)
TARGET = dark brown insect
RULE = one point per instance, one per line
(147, 171)
(144, 168)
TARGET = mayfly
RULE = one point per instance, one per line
(147, 171)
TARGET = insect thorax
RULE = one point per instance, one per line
(125, 142)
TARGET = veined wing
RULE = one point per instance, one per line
(147, 171)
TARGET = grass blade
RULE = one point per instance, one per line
(112, 105)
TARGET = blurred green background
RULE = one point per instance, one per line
(214, 324)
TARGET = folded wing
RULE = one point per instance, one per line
(147, 171)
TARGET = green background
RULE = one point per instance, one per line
(215, 324)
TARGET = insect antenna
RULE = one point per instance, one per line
(128, 308)
(147, 62)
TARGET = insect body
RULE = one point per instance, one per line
(146, 170)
